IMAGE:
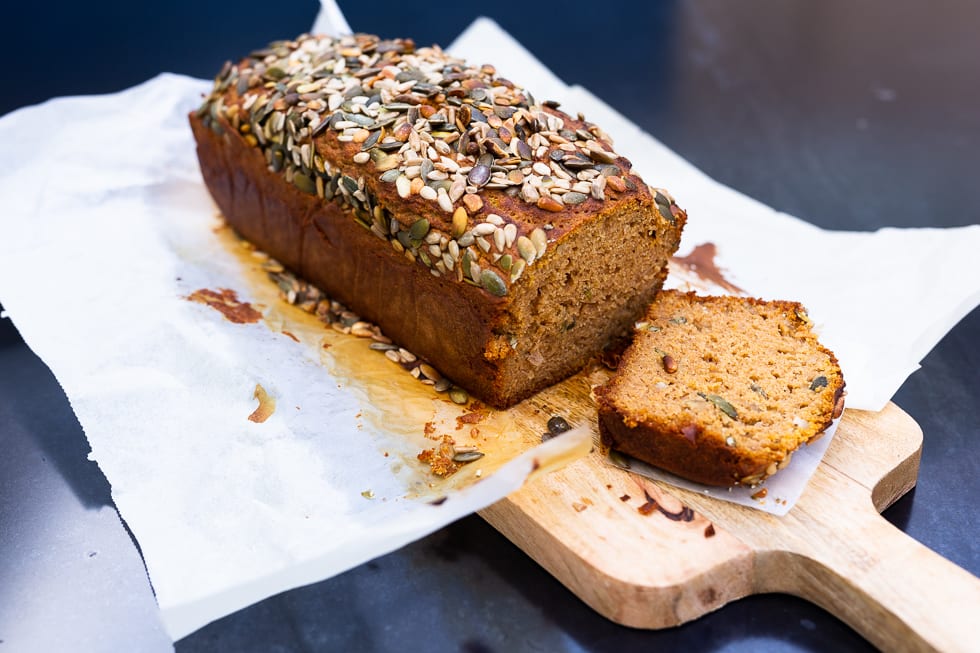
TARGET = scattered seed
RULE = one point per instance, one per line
(557, 425)
(429, 371)
(467, 456)
(442, 385)
(458, 395)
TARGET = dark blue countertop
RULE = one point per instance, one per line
(848, 115)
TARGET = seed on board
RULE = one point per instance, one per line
(557, 425)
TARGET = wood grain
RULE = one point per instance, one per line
(627, 547)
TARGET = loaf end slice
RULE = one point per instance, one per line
(720, 390)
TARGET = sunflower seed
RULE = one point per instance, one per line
(467, 456)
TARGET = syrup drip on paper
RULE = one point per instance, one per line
(701, 264)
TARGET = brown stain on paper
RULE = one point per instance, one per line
(266, 407)
(226, 302)
(701, 263)
(412, 413)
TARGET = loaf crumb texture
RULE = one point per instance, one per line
(720, 390)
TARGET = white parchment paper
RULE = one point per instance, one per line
(106, 228)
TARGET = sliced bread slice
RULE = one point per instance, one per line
(720, 390)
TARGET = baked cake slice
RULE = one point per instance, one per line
(720, 390)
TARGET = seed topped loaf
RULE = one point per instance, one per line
(491, 234)
(720, 390)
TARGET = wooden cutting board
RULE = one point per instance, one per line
(649, 555)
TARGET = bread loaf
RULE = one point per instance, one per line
(720, 390)
(496, 237)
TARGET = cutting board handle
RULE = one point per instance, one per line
(896, 592)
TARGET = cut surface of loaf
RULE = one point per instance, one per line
(493, 235)
(720, 390)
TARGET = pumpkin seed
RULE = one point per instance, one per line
(419, 229)
(492, 283)
(304, 183)
(722, 405)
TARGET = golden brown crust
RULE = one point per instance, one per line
(745, 385)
